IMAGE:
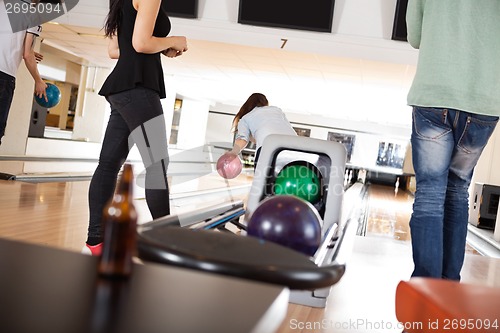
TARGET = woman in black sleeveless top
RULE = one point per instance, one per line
(137, 30)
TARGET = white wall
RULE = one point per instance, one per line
(91, 120)
(219, 128)
(193, 124)
(16, 133)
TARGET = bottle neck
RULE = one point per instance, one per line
(125, 186)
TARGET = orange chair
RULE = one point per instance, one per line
(436, 305)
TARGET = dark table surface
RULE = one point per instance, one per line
(50, 290)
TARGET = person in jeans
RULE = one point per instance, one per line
(455, 97)
(138, 35)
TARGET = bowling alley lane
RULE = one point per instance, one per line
(55, 213)
(388, 212)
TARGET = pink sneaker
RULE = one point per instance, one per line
(93, 250)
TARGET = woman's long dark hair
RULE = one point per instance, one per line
(114, 17)
(255, 100)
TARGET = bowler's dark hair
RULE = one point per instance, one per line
(114, 17)
(255, 100)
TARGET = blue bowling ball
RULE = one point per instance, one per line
(53, 97)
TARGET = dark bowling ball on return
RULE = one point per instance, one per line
(298, 180)
(287, 220)
(53, 97)
(229, 166)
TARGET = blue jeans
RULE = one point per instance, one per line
(136, 118)
(7, 86)
(446, 146)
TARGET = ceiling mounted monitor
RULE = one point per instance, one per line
(182, 8)
(311, 15)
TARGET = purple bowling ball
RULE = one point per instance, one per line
(289, 221)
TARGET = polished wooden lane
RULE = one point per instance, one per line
(389, 212)
(53, 214)
(56, 213)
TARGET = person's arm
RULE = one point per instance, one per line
(113, 48)
(38, 56)
(143, 40)
(242, 137)
(239, 145)
(414, 17)
(31, 64)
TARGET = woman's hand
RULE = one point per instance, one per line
(178, 48)
(171, 53)
(179, 44)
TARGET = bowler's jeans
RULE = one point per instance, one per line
(136, 118)
(7, 86)
(446, 145)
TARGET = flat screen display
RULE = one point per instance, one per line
(312, 15)
(182, 8)
(399, 28)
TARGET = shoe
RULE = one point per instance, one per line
(92, 250)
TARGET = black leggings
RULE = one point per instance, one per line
(7, 86)
(136, 118)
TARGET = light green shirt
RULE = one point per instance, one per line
(459, 54)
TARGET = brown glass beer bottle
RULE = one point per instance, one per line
(120, 223)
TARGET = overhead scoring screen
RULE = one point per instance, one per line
(182, 8)
(313, 15)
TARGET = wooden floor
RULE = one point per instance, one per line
(56, 214)
(389, 212)
(53, 214)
